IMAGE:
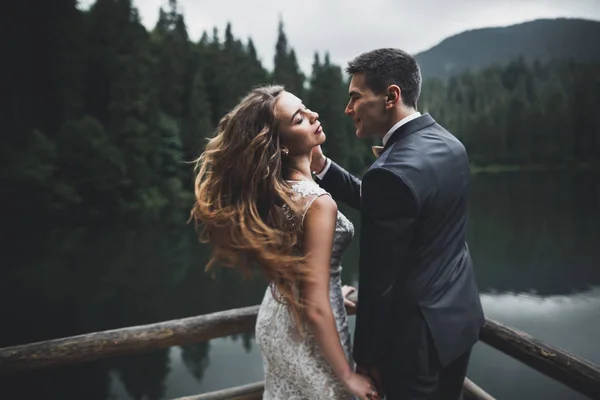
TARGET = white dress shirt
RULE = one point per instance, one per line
(389, 133)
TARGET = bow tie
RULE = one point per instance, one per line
(377, 150)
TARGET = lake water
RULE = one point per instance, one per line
(534, 237)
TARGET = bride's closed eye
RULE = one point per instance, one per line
(301, 119)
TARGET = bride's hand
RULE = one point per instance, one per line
(346, 291)
(361, 387)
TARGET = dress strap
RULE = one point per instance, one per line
(309, 191)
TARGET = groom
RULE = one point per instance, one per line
(419, 312)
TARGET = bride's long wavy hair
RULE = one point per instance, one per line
(240, 195)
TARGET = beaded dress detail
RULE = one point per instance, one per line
(293, 365)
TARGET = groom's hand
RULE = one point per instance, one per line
(348, 302)
(317, 160)
(376, 376)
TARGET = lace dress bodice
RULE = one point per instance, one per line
(293, 365)
(344, 229)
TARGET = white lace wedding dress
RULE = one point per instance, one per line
(293, 365)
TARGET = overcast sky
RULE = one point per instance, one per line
(346, 28)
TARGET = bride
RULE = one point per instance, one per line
(261, 209)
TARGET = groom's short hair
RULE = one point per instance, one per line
(389, 66)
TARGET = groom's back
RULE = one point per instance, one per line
(437, 272)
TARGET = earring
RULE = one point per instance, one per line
(285, 152)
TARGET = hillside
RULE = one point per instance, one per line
(542, 39)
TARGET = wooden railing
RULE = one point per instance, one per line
(577, 373)
(254, 391)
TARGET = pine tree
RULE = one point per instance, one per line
(286, 71)
(172, 50)
(327, 96)
(198, 127)
(256, 73)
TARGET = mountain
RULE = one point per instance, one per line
(542, 39)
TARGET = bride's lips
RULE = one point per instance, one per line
(318, 130)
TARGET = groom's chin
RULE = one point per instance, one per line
(359, 134)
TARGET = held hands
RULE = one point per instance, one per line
(375, 376)
(361, 386)
(347, 291)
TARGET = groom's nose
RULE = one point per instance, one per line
(348, 109)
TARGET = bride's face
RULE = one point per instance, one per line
(299, 127)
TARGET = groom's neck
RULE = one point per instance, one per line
(397, 114)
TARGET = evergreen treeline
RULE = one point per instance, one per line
(105, 117)
(522, 114)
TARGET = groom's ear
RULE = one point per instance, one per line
(393, 95)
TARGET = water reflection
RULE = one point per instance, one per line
(534, 240)
(535, 233)
(568, 321)
(228, 362)
(195, 359)
(85, 279)
(144, 376)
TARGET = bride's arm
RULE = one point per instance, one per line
(319, 227)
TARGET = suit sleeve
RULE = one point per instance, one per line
(342, 185)
(389, 210)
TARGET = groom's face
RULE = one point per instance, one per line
(366, 108)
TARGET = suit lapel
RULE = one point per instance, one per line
(410, 127)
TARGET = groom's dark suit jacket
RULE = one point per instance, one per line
(415, 266)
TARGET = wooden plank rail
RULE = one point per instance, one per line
(579, 374)
(93, 346)
(575, 372)
(252, 391)
(255, 390)
(474, 392)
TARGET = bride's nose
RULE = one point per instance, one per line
(313, 116)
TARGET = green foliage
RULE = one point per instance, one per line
(285, 70)
(29, 177)
(91, 163)
(522, 114)
(327, 96)
(107, 118)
